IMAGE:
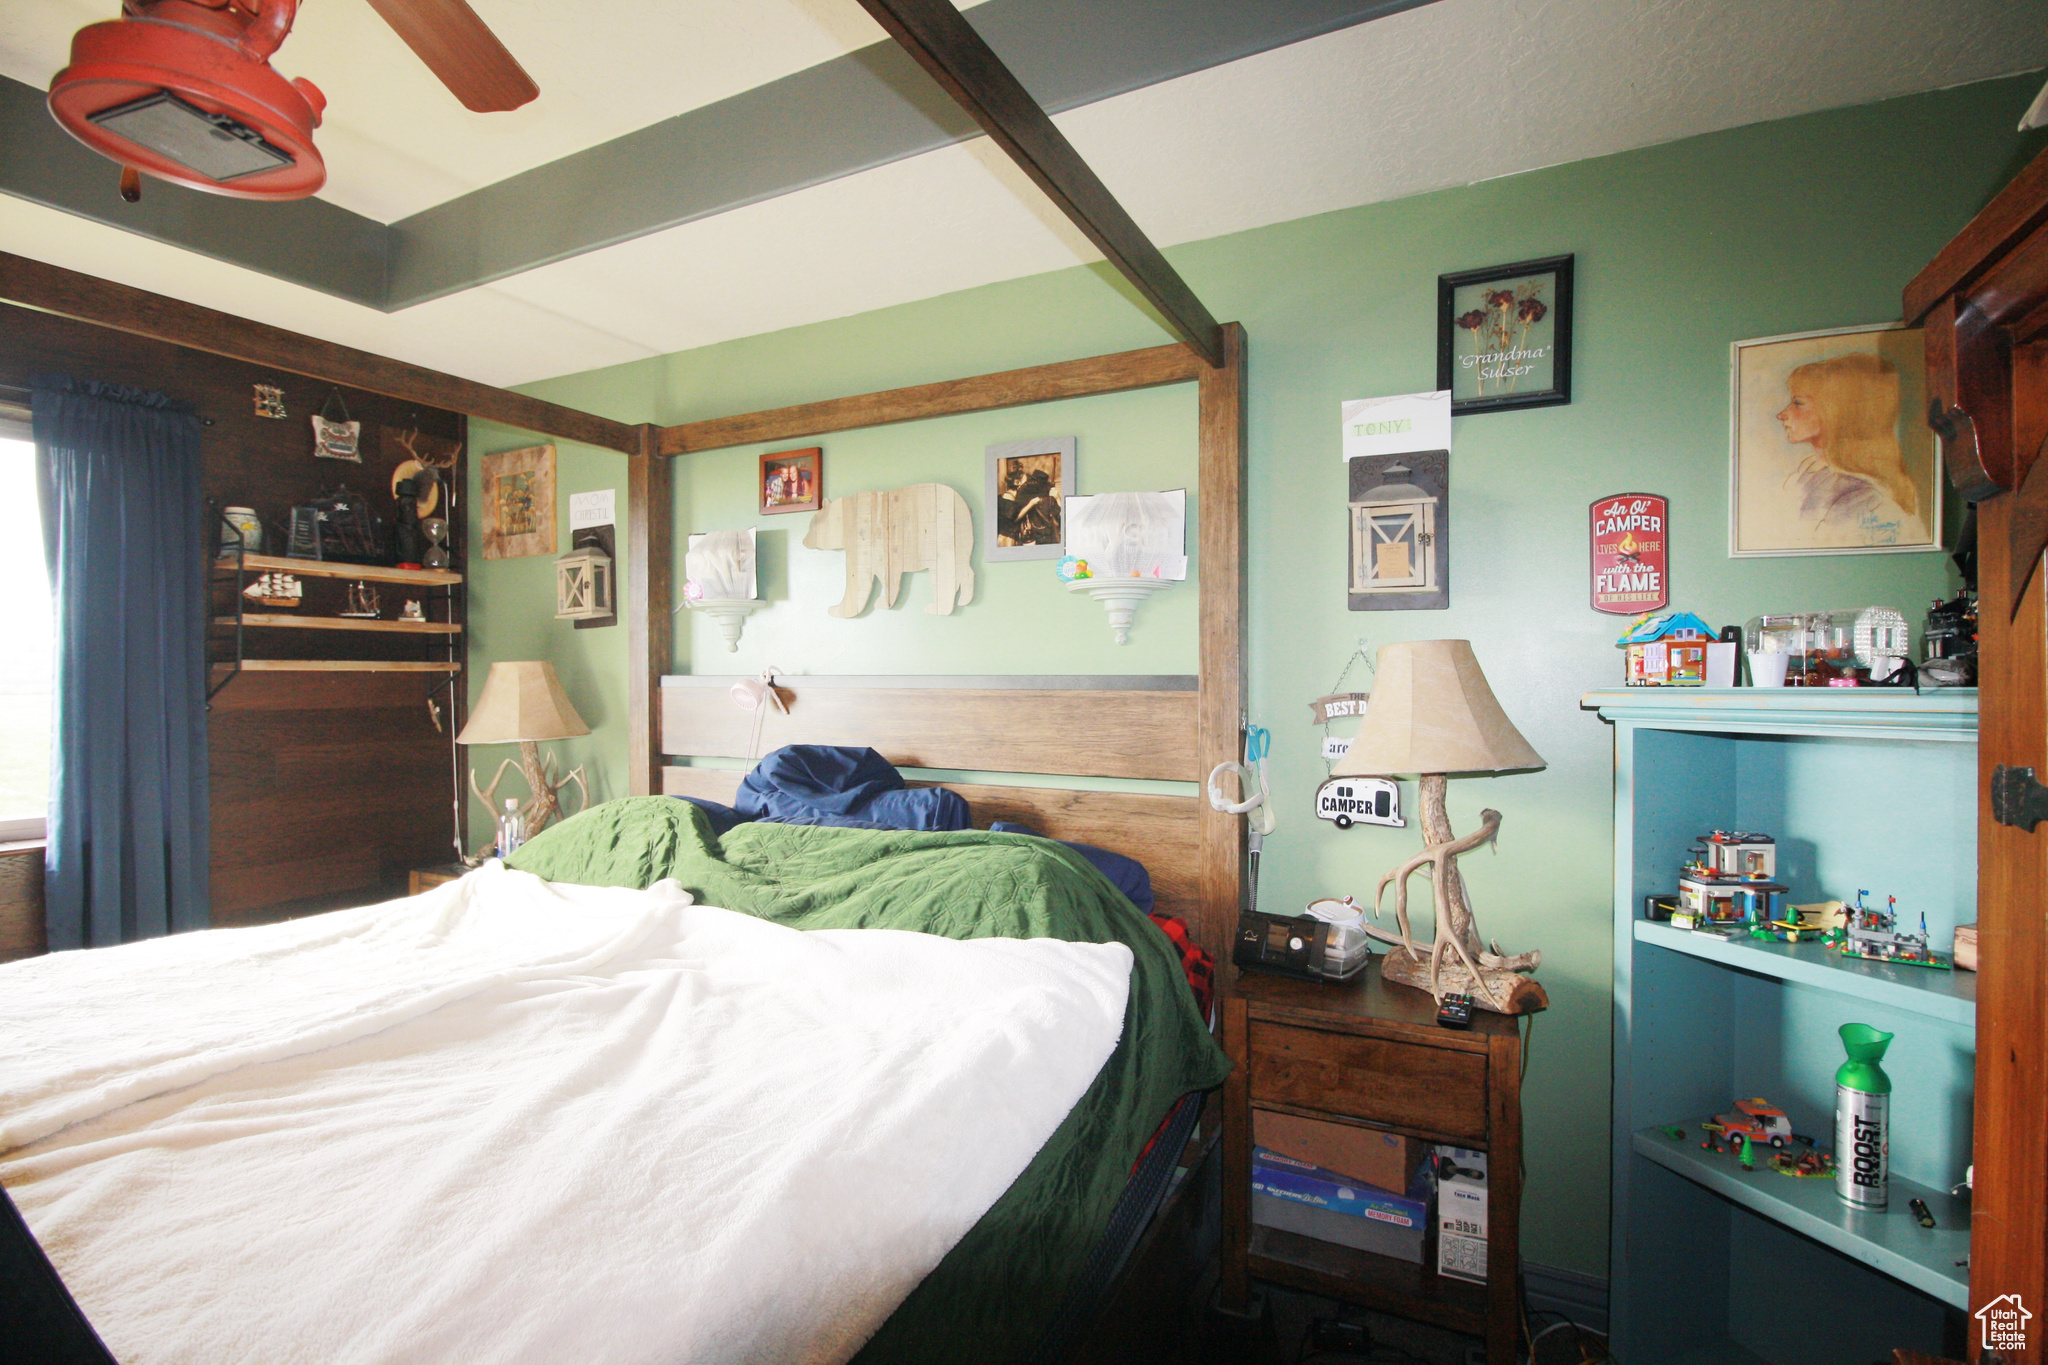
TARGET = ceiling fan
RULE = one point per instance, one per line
(184, 89)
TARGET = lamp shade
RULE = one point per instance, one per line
(522, 700)
(1432, 712)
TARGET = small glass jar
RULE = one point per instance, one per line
(1827, 648)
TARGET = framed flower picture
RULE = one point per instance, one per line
(1504, 336)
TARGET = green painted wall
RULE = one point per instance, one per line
(1808, 223)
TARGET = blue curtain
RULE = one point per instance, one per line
(123, 520)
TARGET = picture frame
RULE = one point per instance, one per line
(1504, 336)
(792, 481)
(518, 504)
(1031, 481)
(1828, 449)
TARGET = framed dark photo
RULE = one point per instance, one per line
(1029, 483)
(792, 480)
(1504, 336)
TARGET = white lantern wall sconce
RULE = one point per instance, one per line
(1400, 529)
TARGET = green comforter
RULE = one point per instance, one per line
(993, 1295)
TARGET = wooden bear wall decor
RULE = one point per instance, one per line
(889, 534)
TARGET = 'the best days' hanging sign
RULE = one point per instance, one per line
(1631, 553)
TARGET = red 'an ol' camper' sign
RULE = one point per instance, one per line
(1631, 554)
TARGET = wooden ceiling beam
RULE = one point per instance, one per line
(87, 298)
(946, 45)
(1118, 373)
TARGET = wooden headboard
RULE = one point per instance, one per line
(1119, 728)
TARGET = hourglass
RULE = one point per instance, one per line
(436, 531)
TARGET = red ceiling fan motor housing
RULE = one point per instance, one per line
(184, 90)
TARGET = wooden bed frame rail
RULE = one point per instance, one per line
(1109, 727)
(1174, 729)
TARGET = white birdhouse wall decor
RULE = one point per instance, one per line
(1400, 532)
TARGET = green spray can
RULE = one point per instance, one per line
(1863, 1138)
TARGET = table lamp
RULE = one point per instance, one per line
(523, 703)
(1432, 714)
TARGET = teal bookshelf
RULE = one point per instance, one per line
(1864, 790)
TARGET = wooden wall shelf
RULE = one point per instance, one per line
(337, 666)
(321, 568)
(343, 623)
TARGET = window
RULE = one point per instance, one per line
(25, 642)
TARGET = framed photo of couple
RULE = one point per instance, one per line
(792, 480)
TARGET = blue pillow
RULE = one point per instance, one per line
(823, 784)
(722, 818)
(1127, 875)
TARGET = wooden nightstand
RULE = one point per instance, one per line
(420, 878)
(1371, 1053)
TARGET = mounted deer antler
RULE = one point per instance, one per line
(409, 443)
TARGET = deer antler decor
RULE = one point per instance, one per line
(1431, 714)
(523, 702)
(544, 802)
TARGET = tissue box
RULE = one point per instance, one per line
(1296, 1197)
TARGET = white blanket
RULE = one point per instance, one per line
(516, 1121)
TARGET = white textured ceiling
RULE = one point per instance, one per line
(1457, 91)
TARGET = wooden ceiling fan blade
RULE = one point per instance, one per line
(462, 51)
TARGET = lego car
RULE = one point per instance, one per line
(1758, 1121)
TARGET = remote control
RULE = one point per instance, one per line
(1455, 1011)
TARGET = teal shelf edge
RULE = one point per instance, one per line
(1887, 1240)
(1948, 714)
(1950, 996)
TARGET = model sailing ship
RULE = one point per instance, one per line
(276, 590)
(362, 601)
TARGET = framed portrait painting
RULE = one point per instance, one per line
(1829, 451)
(792, 480)
(1029, 483)
(1504, 336)
(518, 505)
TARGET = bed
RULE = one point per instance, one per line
(585, 1115)
(1056, 1208)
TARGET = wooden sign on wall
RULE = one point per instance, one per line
(518, 508)
(889, 534)
(1631, 540)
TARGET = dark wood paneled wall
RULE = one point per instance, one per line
(327, 788)
(21, 901)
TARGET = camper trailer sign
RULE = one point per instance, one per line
(1348, 801)
(1631, 554)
